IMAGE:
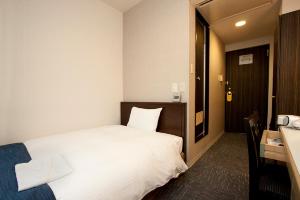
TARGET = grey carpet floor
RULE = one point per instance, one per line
(221, 174)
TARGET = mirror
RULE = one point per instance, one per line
(201, 77)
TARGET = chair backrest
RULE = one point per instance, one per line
(251, 128)
(257, 124)
(253, 131)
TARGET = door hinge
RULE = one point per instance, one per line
(268, 51)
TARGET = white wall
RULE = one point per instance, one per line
(62, 67)
(289, 6)
(257, 42)
(156, 42)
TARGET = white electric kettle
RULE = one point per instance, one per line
(291, 121)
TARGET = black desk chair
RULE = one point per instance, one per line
(266, 181)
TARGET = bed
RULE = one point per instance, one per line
(109, 162)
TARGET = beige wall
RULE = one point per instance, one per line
(159, 47)
(257, 42)
(249, 43)
(216, 95)
(62, 70)
(156, 42)
(290, 6)
(3, 81)
(62, 67)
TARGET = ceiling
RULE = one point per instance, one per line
(122, 5)
(260, 15)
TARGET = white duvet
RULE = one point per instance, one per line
(112, 162)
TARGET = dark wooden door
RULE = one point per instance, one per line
(248, 84)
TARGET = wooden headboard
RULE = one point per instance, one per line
(172, 119)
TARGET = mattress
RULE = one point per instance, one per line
(112, 162)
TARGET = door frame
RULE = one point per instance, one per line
(270, 83)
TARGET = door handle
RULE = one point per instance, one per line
(198, 78)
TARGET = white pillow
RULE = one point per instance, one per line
(41, 171)
(144, 119)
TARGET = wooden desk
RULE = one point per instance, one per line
(291, 140)
(271, 151)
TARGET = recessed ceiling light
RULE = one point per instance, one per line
(240, 23)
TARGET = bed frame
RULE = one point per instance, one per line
(172, 121)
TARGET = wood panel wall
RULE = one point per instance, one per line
(288, 71)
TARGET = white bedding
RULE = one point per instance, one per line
(112, 162)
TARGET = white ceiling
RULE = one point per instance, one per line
(122, 5)
(261, 17)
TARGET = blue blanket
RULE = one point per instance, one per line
(10, 155)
